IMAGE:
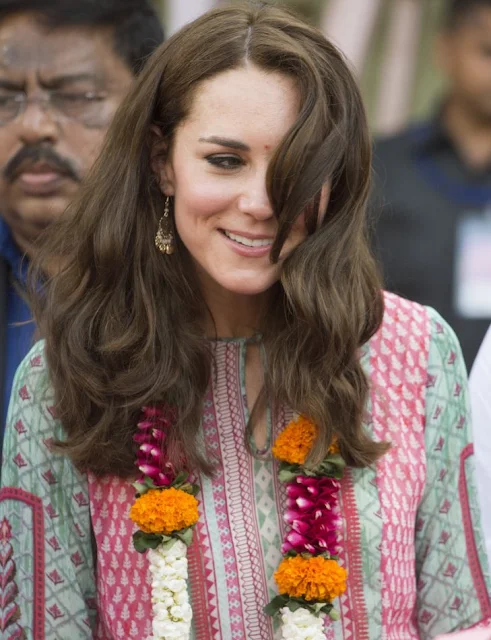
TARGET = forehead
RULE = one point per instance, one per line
(246, 101)
(477, 24)
(27, 46)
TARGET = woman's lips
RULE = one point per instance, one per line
(263, 247)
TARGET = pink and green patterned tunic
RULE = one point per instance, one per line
(410, 540)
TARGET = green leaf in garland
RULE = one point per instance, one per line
(149, 483)
(275, 605)
(333, 614)
(193, 489)
(140, 488)
(186, 535)
(317, 608)
(333, 466)
(294, 605)
(180, 480)
(289, 472)
(143, 541)
(168, 541)
(320, 607)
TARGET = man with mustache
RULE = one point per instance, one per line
(65, 66)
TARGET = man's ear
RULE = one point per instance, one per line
(160, 161)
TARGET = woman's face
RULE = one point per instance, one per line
(217, 175)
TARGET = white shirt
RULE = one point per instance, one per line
(480, 385)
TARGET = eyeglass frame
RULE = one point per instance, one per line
(22, 99)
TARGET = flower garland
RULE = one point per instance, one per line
(165, 512)
(309, 577)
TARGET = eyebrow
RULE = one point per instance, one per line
(63, 80)
(11, 86)
(226, 142)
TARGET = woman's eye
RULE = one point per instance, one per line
(225, 162)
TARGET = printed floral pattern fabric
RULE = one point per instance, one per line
(44, 503)
(417, 508)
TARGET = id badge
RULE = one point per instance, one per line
(473, 266)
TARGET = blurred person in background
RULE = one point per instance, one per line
(65, 66)
(433, 186)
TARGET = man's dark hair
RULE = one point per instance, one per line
(137, 28)
(459, 10)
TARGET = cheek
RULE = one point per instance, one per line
(82, 145)
(298, 232)
(201, 199)
(9, 147)
(295, 238)
(473, 72)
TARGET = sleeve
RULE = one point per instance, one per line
(46, 563)
(452, 572)
(480, 385)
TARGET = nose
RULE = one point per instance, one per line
(37, 124)
(254, 200)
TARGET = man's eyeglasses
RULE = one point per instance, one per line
(85, 108)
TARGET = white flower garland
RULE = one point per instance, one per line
(172, 612)
(301, 624)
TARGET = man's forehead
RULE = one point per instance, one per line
(27, 45)
(478, 19)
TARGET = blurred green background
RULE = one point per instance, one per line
(427, 85)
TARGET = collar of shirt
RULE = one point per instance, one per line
(431, 137)
(11, 253)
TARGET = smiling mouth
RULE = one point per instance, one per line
(249, 242)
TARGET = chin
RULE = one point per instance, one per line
(247, 286)
(42, 210)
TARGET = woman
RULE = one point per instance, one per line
(217, 312)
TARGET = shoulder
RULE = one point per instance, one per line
(418, 377)
(31, 419)
(393, 153)
(405, 324)
(414, 325)
(31, 387)
(412, 343)
(400, 141)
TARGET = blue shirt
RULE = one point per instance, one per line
(19, 338)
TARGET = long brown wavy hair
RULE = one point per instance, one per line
(124, 324)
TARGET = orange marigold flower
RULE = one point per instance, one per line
(294, 443)
(165, 511)
(334, 448)
(312, 578)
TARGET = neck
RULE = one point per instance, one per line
(25, 245)
(232, 315)
(470, 133)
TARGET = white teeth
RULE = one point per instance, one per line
(264, 242)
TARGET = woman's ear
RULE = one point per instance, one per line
(160, 161)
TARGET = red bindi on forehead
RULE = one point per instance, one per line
(267, 146)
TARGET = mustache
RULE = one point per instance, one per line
(38, 154)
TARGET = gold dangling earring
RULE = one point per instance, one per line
(164, 240)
